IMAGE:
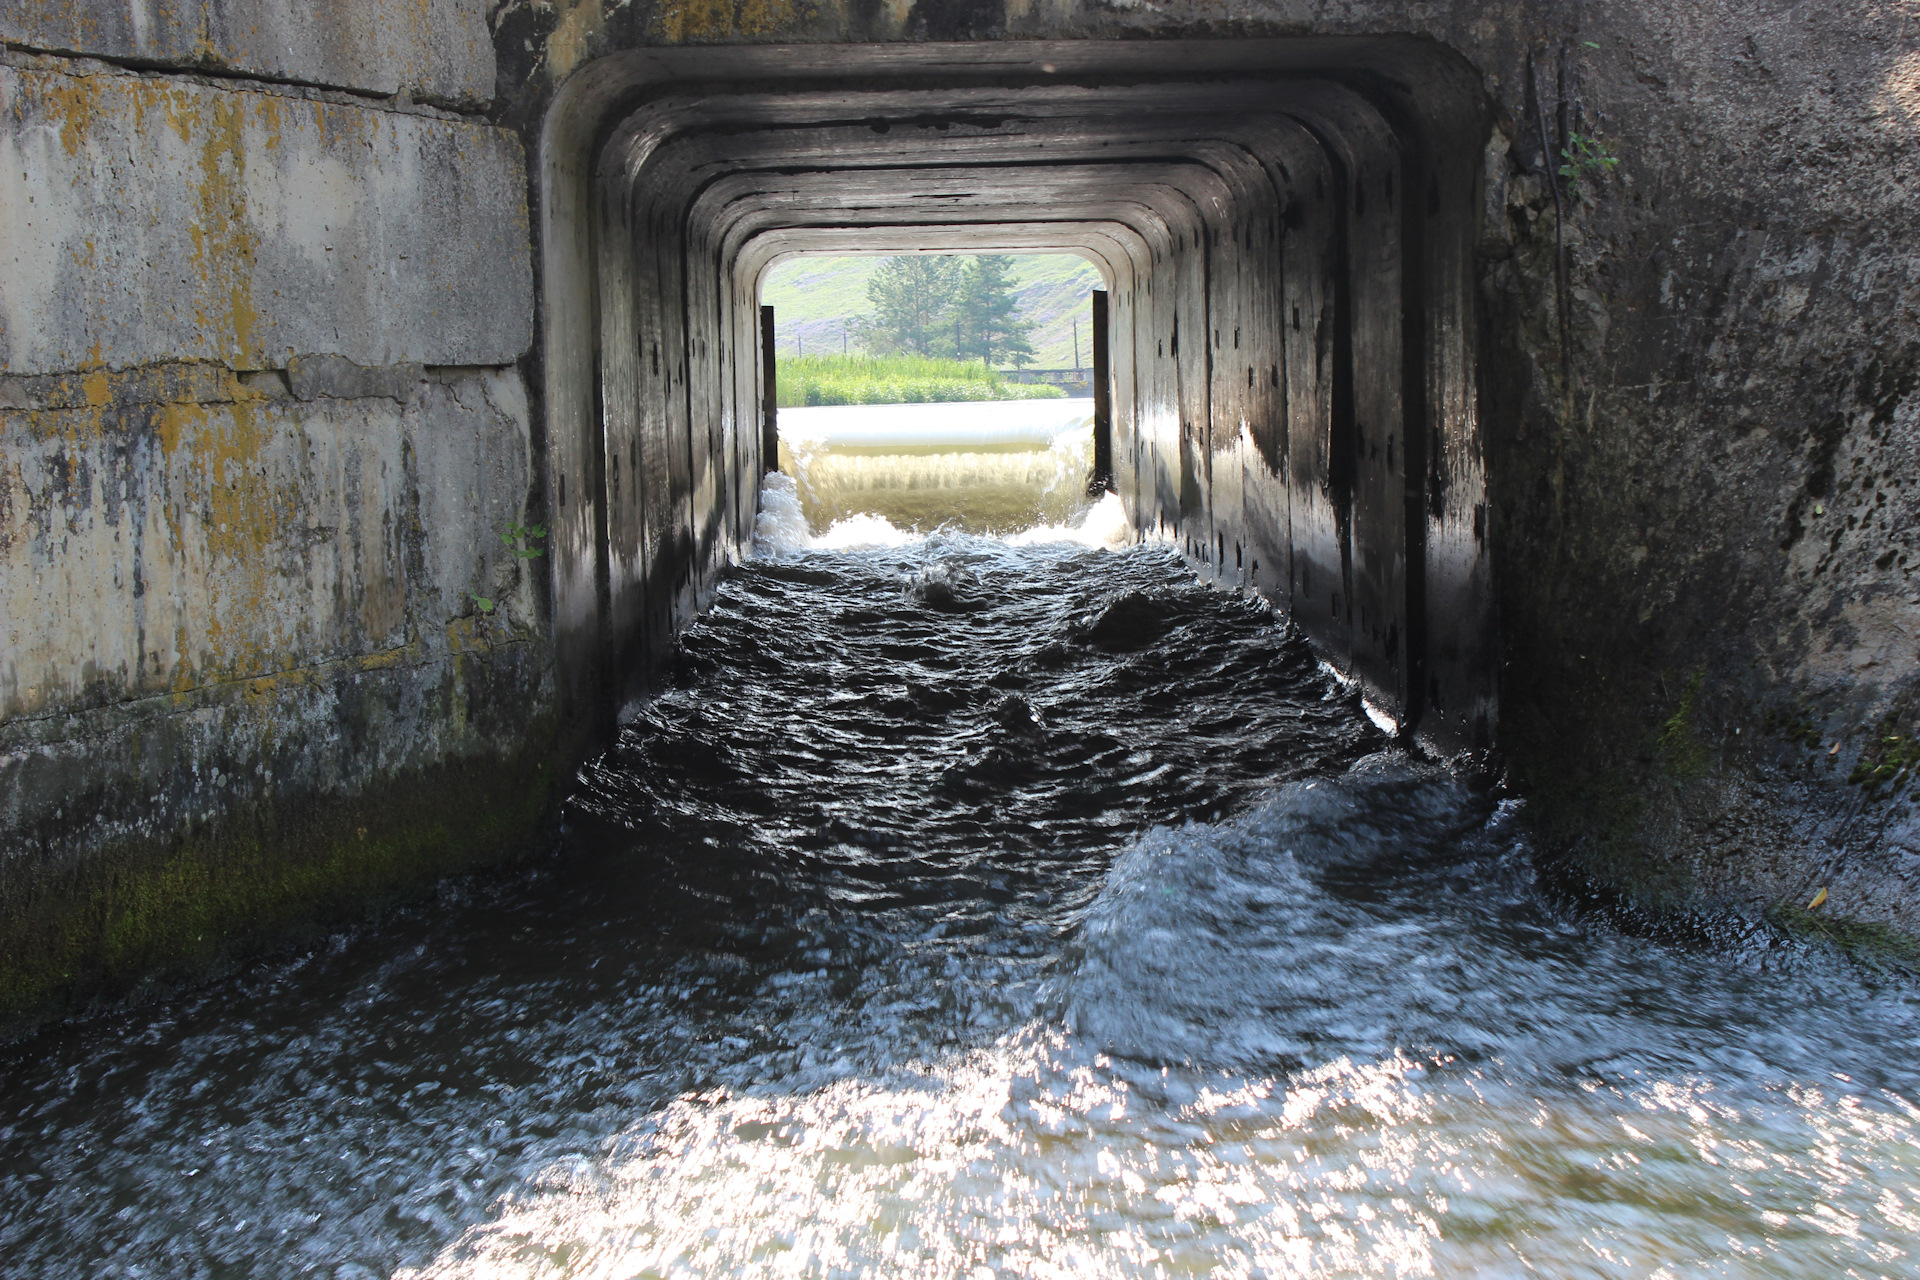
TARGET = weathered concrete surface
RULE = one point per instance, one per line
(268, 648)
(231, 613)
(431, 50)
(145, 219)
(162, 546)
(1181, 171)
(1716, 490)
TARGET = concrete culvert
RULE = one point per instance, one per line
(1518, 810)
(1252, 190)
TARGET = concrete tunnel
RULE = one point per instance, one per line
(381, 399)
(1285, 229)
(309, 313)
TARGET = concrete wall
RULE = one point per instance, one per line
(272, 387)
(262, 427)
(430, 50)
(1671, 365)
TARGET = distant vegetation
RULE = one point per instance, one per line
(896, 379)
(937, 305)
(819, 303)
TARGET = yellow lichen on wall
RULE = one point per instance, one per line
(766, 17)
(229, 509)
(172, 545)
(572, 39)
(163, 220)
(245, 515)
(431, 49)
(72, 104)
(153, 546)
(224, 243)
(700, 21)
(173, 517)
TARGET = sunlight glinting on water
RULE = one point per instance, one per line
(1013, 1163)
(975, 1166)
(1583, 1147)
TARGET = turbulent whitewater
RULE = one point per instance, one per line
(990, 467)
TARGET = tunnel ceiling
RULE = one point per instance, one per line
(1286, 228)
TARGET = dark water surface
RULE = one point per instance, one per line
(976, 910)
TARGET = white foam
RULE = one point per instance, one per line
(781, 529)
(863, 533)
(1104, 524)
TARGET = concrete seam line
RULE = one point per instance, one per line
(26, 58)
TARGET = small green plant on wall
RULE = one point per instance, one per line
(519, 540)
(1680, 747)
(1888, 762)
(1586, 158)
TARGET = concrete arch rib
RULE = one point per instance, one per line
(1285, 228)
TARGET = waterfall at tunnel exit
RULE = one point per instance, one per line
(984, 467)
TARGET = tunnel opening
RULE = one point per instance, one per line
(1286, 233)
(916, 392)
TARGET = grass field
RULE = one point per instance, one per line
(811, 380)
(816, 300)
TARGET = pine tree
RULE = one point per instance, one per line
(912, 297)
(989, 325)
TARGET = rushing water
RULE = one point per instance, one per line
(966, 910)
(982, 467)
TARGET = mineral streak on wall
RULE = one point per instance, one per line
(1593, 322)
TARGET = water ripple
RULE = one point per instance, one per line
(966, 909)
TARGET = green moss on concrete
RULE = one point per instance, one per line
(1873, 945)
(1793, 722)
(139, 911)
(1596, 825)
(1595, 778)
(1888, 761)
(1680, 748)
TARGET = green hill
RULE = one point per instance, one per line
(815, 301)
